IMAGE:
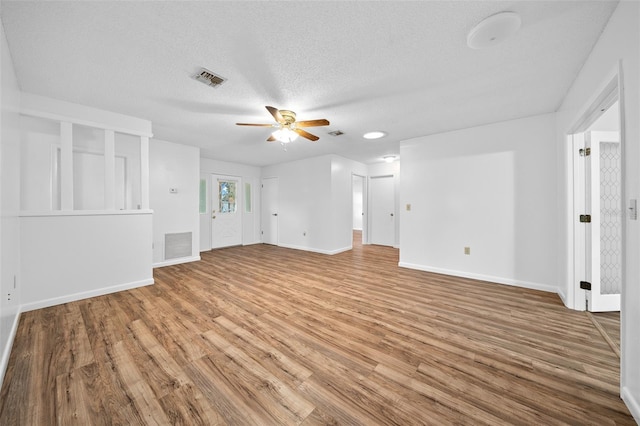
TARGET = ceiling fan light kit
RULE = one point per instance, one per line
(493, 30)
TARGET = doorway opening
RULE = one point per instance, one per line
(596, 174)
(359, 218)
(597, 216)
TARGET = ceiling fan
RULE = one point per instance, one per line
(288, 127)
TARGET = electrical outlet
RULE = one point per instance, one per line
(408, 207)
(467, 250)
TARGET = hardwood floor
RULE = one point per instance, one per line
(608, 323)
(262, 335)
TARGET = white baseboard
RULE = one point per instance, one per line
(249, 244)
(6, 351)
(84, 295)
(563, 297)
(314, 250)
(632, 403)
(176, 261)
(489, 278)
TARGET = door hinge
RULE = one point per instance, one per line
(584, 152)
(585, 218)
(585, 285)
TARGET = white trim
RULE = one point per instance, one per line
(489, 278)
(6, 353)
(314, 250)
(66, 166)
(144, 172)
(109, 170)
(250, 243)
(176, 261)
(62, 118)
(563, 296)
(85, 295)
(84, 213)
(632, 404)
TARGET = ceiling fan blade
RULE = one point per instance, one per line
(306, 134)
(312, 123)
(276, 114)
(271, 139)
(253, 124)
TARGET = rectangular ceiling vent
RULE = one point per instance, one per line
(336, 133)
(209, 78)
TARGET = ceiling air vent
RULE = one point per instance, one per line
(336, 133)
(210, 79)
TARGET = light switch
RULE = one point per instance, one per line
(467, 250)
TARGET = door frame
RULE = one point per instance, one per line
(609, 91)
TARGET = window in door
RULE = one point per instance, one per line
(227, 191)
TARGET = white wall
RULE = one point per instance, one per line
(250, 221)
(314, 211)
(619, 41)
(72, 256)
(491, 188)
(174, 166)
(9, 204)
(304, 203)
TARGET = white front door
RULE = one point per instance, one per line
(382, 201)
(269, 217)
(603, 201)
(226, 211)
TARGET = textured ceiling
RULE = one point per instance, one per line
(401, 67)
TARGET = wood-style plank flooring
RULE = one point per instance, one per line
(608, 324)
(262, 335)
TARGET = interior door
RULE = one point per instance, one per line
(603, 201)
(382, 201)
(226, 212)
(269, 216)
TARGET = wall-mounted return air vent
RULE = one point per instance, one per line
(177, 245)
(209, 78)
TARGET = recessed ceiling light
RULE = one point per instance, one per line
(389, 158)
(374, 135)
(493, 30)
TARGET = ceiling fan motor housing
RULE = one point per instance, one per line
(288, 116)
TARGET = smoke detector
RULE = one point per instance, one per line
(209, 78)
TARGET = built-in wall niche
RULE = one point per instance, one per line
(105, 167)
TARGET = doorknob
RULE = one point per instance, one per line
(391, 214)
(274, 214)
(213, 217)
